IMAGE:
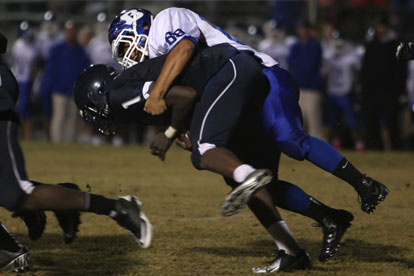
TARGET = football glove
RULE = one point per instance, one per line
(405, 51)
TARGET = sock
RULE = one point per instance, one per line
(292, 198)
(288, 196)
(323, 155)
(241, 172)
(347, 172)
(317, 210)
(7, 242)
(284, 239)
(99, 204)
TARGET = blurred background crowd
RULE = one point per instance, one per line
(354, 92)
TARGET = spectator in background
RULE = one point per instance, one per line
(276, 44)
(383, 81)
(305, 61)
(66, 61)
(408, 116)
(84, 36)
(327, 38)
(48, 35)
(25, 56)
(99, 49)
(340, 69)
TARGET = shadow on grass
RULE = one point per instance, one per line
(352, 251)
(95, 255)
(363, 251)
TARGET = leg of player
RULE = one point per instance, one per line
(226, 163)
(222, 104)
(23, 195)
(290, 255)
(13, 255)
(282, 116)
(124, 210)
(334, 222)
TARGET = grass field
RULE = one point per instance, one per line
(190, 235)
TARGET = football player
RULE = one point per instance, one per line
(178, 32)
(29, 198)
(106, 99)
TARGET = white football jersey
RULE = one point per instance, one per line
(24, 55)
(340, 70)
(172, 25)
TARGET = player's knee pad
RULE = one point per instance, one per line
(297, 148)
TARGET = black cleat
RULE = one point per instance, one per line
(68, 220)
(35, 222)
(127, 213)
(237, 199)
(285, 262)
(14, 261)
(371, 193)
(334, 227)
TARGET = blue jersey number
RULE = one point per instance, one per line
(171, 38)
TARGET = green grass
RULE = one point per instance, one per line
(190, 236)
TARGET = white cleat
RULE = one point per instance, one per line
(238, 198)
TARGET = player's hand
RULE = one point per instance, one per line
(184, 142)
(405, 51)
(155, 106)
(160, 145)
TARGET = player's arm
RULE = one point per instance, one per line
(181, 100)
(176, 60)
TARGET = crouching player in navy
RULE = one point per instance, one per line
(106, 101)
(29, 198)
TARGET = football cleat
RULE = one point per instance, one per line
(333, 227)
(371, 193)
(238, 198)
(35, 222)
(14, 261)
(127, 213)
(286, 262)
(68, 220)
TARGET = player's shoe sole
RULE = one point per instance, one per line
(238, 198)
(18, 262)
(286, 263)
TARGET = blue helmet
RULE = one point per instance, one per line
(128, 36)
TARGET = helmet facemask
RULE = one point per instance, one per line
(100, 120)
(97, 112)
(130, 48)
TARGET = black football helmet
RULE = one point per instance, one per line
(91, 97)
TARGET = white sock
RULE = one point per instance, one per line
(284, 239)
(241, 172)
